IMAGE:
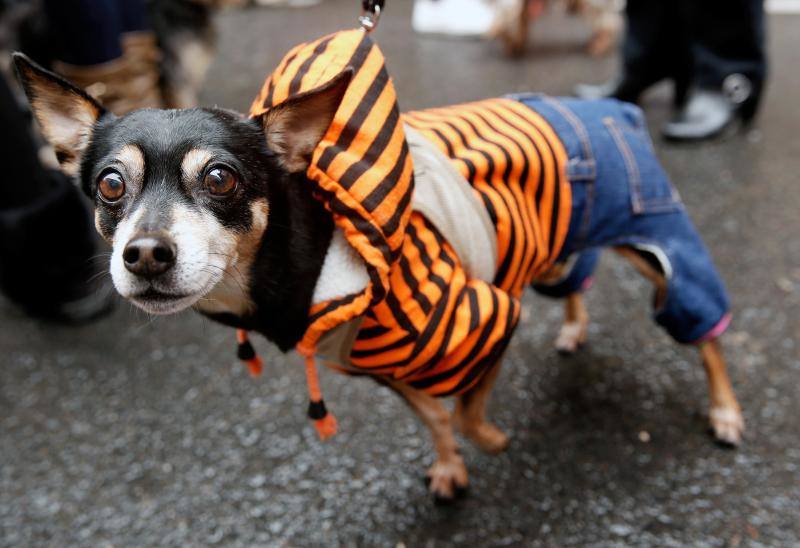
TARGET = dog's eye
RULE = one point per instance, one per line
(111, 186)
(219, 181)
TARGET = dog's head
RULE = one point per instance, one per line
(181, 195)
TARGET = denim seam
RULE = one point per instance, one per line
(630, 164)
(580, 132)
(583, 232)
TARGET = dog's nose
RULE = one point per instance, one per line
(149, 255)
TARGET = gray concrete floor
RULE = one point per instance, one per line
(147, 432)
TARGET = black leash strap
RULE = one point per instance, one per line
(370, 14)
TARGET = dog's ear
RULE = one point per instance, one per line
(295, 127)
(65, 113)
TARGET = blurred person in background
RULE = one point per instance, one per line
(47, 242)
(713, 51)
(48, 247)
(107, 47)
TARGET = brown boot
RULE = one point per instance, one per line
(128, 83)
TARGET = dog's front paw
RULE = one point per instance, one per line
(571, 337)
(447, 480)
(727, 425)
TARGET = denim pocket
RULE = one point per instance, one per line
(650, 188)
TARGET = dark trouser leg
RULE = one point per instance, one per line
(655, 45)
(729, 68)
(104, 46)
(85, 32)
(46, 238)
(24, 177)
(728, 37)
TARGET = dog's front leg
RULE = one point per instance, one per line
(447, 478)
(470, 416)
(725, 415)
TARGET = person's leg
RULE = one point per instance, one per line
(654, 48)
(729, 67)
(25, 177)
(46, 238)
(734, 44)
(133, 15)
(103, 47)
(86, 32)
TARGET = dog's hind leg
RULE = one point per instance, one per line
(576, 325)
(469, 416)
(447, 478)
(725, 415)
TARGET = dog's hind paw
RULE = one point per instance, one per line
(727, 425)
(447, 480)
(571, 336)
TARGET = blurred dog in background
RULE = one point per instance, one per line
(514, 18)
(187, 38)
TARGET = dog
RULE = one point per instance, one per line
(187, 39)
(308, 222)
(514, 17)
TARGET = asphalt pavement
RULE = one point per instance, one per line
(138, 431)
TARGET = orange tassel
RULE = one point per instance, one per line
(255, 366)
(324, 421)
(326, 427)
(247, 354)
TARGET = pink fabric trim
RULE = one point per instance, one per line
(587, 283)
(717, 330)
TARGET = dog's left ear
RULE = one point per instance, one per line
(65, 112)
(295, 127)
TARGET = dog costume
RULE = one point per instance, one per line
(504, 189)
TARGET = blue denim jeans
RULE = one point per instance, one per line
(621, 196)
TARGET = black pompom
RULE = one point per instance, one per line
(245, 351)
(316, 410)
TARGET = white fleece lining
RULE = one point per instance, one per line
(343, 271)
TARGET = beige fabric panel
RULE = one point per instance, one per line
(448, 201)
(336, 345)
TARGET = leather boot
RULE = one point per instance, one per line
(627, 88)
(128, 83)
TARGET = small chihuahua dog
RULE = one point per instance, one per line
(206, 208)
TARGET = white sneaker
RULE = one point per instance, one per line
(453, 17)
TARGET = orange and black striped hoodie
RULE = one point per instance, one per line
(424, 320)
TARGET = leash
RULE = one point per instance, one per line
(370, 14)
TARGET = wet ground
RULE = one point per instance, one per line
(147, 432)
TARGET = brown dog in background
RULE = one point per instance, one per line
(514, 18)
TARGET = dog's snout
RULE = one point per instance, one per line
(149, 255)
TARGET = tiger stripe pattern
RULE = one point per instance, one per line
(425, 321)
